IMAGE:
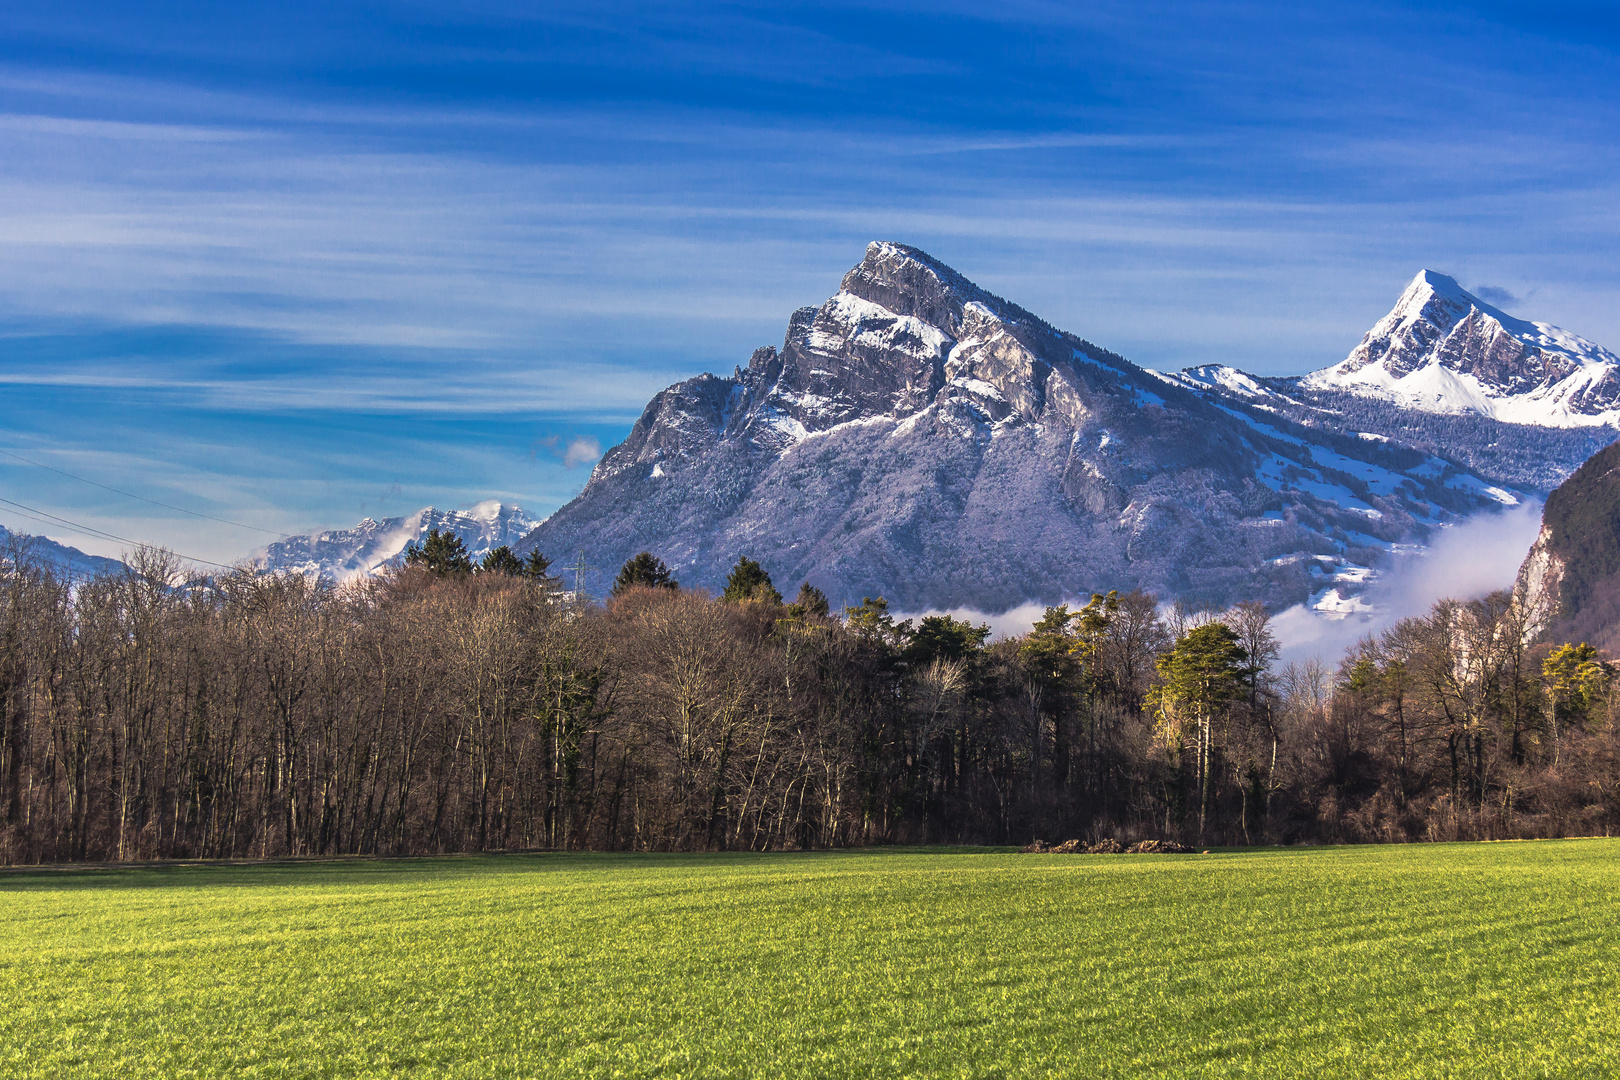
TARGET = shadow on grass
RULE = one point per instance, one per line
(357, 869)
(223, 873)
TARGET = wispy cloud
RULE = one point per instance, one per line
(581, 451)
(1495, 294)
(287, 221)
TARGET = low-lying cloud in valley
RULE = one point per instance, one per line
(1462, 561)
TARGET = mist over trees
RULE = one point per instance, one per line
(154, 713)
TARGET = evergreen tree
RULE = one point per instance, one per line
(811, 603)
(940, 637)
(501, 561)
(441, 553)
(1049, 651)
(749, 581)
(1092, 624)
(1199, 678)
(873, 622)
(644, 569)
(538, 567)
(1577, 680)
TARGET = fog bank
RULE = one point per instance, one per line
(1461, 561)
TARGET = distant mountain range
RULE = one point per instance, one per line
(68, 561)
(1522, 404)
(373, 545)
(920, 438)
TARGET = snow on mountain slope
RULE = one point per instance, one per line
(1444, 350)
(372, 545)
(920, 438)
(67, 561)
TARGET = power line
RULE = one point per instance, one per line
(43, 521)
(47, 518)
(142, 498)
(100, 534)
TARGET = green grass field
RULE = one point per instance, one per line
(1455, 960)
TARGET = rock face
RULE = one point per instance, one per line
(1444, 350)
(1570, 581)
(1540, 584)
(919, 438)
(372, 545)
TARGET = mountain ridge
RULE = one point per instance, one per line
(371, 545)
(1521, 403)
(919, 437)
(62, 558)
(1445, 350)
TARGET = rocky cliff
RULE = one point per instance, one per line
(918, 437)
(1570, 581)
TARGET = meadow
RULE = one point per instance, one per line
(1439, 960)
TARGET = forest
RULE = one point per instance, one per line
(158, 713)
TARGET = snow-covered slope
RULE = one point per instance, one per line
(1444, 350)
(372, 545)
(1519, 404)
(920, 438)
(67, 561)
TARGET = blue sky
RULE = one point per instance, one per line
(293, 264)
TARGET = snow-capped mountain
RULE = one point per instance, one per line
(372, 545)
(67, 561)
(920, 438)
(1520, 404)
(1444, 350)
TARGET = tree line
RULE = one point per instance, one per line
(158, 713)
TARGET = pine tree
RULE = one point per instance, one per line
(1203, 674)
(749, 581)
(1577, 681)
(1049, 651)
(538, 567)
(873, 622)
(643, 570)
(501, 561)
(811, 603)
(441, 554)
(940, 637)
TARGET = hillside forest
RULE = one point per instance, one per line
(154, 713)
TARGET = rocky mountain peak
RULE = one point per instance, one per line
(911, 283)
(1442, 349)
(904, 335)
(1438, 297)
(918, 437)
(1436, 320)
(371, 545)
